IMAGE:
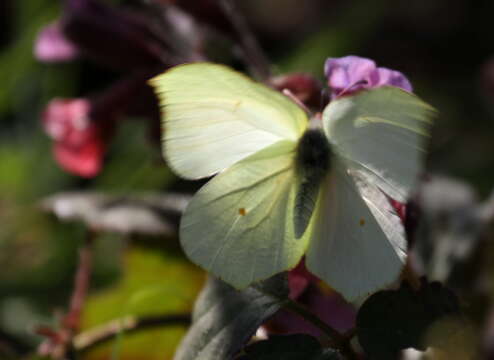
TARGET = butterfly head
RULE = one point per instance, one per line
(313, 154)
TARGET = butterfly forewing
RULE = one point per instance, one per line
(382, 132)
(213, 117)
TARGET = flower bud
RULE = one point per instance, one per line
(52, 46)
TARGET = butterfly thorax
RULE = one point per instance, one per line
(313, 160)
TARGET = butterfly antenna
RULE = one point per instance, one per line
(297, 101)
(349, 87)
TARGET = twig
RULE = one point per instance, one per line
(334, 339)
(250, 46)
(58, 344)
(82, 279)
(105, 332)
(306, 314)
(349, 334)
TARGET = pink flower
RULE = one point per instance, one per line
(52, 45)
(79, 144)
(349, 74)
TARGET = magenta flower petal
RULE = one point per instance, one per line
(299, 279)
(349, 74)
(52, 46)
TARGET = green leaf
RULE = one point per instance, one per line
(153, 283)
(392, 320)
(225, 318)
(291, 347)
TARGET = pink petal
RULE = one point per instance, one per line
(85, 161)
(52, 46)
(62, 117)
(79, 144)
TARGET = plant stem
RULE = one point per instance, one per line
(337, 340)
(309, 316)
(105, 332)
(58, 342)
(250, 46)
(82, 279)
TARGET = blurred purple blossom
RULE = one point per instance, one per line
(111, 36)
(349, 74)
(52, 45)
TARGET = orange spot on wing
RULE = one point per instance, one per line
(362, 222)
(236, 106)
(242, 211)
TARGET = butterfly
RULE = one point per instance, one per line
(286, 186)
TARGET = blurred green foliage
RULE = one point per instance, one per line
(152, 283)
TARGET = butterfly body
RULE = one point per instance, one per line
(284, 189)
(313, 161)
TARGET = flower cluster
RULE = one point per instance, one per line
(349, 74)
(120, 41)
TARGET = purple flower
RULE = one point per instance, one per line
(52, 45)
(349, 74)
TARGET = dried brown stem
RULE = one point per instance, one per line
(58, 344)
(108, 331)
(335, 338)
(251, 49)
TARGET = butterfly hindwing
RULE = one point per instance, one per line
(239, 226)
(357, 244)
(214, 116)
